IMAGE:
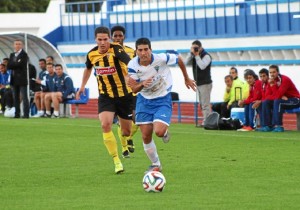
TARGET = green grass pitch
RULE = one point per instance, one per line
(63, 164)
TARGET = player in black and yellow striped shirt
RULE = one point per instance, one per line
(109, 61)
(118, 36)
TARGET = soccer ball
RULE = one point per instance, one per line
(154, 181)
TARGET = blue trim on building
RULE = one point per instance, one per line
(228, 63)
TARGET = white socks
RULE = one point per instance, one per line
(151, 152)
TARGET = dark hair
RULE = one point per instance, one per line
(59, 65)
(228, 76)
(49, 56)
(2, 64)
(274, 67)
(250, 72)
(144, 41)
(264, 71)
(117, 28)
(102, 30)
(18, 40)
(235, 69)
(49, 64)
(5, 59)
(197, 42)
(42, 60)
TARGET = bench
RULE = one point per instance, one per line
(297, 112)
(84, 98)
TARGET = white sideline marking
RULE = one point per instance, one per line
(243, 136)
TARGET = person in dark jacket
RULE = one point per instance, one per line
(17, 63)
(201, 62)
(63, 90)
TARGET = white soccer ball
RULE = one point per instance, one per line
(154, 181)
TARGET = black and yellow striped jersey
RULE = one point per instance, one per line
(110, 70)
(129, 51)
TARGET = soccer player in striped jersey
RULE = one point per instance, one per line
(118, 36)
(109, 61)
(150, 75)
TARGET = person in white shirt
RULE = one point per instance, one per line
(150, 76)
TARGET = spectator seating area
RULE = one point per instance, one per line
(84, 99)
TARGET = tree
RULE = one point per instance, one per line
(18, 6)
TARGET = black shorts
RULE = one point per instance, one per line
(133, 102)
(121, 106)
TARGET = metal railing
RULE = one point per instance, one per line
(181, 19)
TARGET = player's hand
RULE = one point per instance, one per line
(79, 92)
(190, 83)
(148, 82)
(284, 98)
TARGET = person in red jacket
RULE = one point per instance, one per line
(264, 78)
(255, 94)
(286, 96)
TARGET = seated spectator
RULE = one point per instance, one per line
(237, 87)
(255, 93)
(223, 108)
(39, 94)
(234, 73)
(63, 90)
(47, 88)
(286, 96)
(50, 59)
(5, 89)
(265, 103)
(5, 61)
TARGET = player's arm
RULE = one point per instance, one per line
(190, 83)
(86, 75)
(137, 86)
(121, 54)
(85, 78)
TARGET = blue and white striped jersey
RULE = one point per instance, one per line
(160, 72)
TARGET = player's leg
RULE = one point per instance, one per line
(124, 133)
(124, 113)
(134, 127)
(106, 110)
(162, 119)
(150, 147)
(106, 119)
